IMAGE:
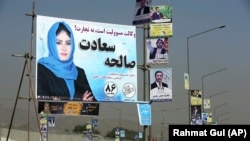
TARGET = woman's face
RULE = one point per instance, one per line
(63, 45)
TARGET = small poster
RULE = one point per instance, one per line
(144, 112)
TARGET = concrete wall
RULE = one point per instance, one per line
(19, 135)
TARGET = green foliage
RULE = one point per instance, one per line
(79, 128)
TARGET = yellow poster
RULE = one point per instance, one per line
(186, 81)
(196, 97)
(161, 30)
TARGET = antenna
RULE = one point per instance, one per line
(27, 65)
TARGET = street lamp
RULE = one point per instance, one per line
(197, 35)
(119, 110)
(202, 87)
(188, 60)
(216, 94)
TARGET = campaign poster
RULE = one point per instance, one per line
(51, 121)
(161, 84)
(161, 30)
(43, 122)
(161, 14)
(204, 117)
(70, 108)
(85, 61)
(207, 103)
(186, 81)
(144, 113)
(157, 50)
(196, 97)
(196, 115)
(209, 117)
(142, 12)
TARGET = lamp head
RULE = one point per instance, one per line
(222, 26)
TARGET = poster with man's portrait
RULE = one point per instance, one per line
(161, 84)
(204, 117)
(196, 115)
(157, 50)
(161, 14)
(142, 12)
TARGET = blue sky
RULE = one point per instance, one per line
(222, 48)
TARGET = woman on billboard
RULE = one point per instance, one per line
(58, 77)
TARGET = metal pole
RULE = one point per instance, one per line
(120, 118)
(189, 93)
(145, 76)
(217, 94)
(221, 115)
(145, 69)
(147, 137)
(188, 69)
(202, 87)
(218, 107)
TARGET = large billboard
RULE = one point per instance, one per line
(68, 108)
(85, 61)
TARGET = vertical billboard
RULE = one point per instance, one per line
(160, 84)
(85, 61)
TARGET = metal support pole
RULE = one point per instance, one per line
(202, 87)
(188, 69)
(218, 107)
